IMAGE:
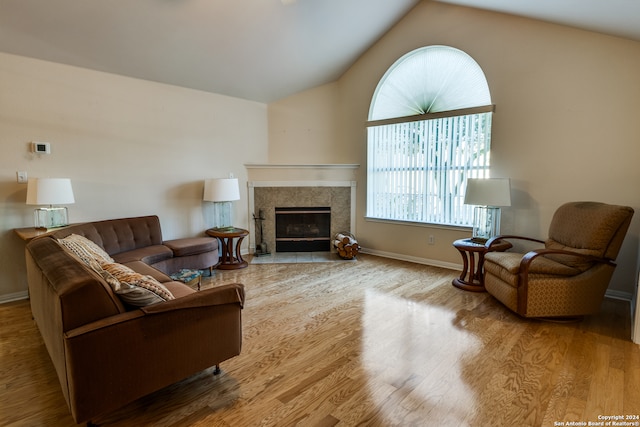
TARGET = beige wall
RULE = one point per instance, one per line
(566, 124)
(565, 128)
(304, 127)
(130, 147)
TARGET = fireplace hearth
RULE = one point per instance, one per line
(303, 229)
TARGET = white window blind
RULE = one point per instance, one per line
(429, 130)
(417, 170)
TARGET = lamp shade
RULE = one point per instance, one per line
(49, 191)
(488, 192)
(221, 190)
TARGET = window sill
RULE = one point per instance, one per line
(420, 224)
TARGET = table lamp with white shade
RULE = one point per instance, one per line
(222, 191)
(488, 195)
(52, 192)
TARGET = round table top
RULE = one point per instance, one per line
(227, 232)
(470, 245)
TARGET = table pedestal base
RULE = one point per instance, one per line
(468, 286)
(230, 256)
(472, 276)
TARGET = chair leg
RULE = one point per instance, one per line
(216, 370)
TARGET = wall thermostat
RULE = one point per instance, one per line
(41, 147)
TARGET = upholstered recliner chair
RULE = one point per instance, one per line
(569, 276)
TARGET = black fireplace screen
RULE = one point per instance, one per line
(303, 229)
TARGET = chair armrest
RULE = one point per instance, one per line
(497, 239)
(528, 258)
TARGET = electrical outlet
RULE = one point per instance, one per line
(431, 240)
(22, 177)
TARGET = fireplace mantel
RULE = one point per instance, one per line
(301, 172)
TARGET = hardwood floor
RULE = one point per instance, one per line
(375, 342)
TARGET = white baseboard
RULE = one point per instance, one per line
(417, 260)
(16, 296)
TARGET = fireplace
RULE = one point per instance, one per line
(303, 229)
(294, 186)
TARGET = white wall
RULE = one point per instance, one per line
(131, 147)
(565, 128)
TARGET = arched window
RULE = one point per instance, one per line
(429, 130)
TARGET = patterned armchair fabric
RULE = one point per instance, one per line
(570, 275)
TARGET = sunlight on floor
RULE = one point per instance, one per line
(407, 346)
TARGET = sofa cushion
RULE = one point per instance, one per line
(134, 288)
(149, 255)
(85, 249)
(118, 235)
(192, 245)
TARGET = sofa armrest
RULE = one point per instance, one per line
(226, 294)
(191, 245)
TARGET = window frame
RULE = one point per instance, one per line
(417, 185)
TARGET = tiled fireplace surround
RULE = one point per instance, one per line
(273, 186)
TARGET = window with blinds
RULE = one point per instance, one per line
(418, 164)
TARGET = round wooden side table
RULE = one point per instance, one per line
(230, 257)
(472, 276)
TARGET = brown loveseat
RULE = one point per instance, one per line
(108, 353)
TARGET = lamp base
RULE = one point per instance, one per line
(45, 218)
(222, 214)
(486, 223)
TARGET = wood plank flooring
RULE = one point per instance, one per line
(376, 342)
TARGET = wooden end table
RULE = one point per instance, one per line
(472, 276)
(230, 257)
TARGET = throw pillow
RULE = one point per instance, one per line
(85, 249)
(134, 288)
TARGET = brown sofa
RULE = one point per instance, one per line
(107, 353)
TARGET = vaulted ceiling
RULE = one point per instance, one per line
(260, 50)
